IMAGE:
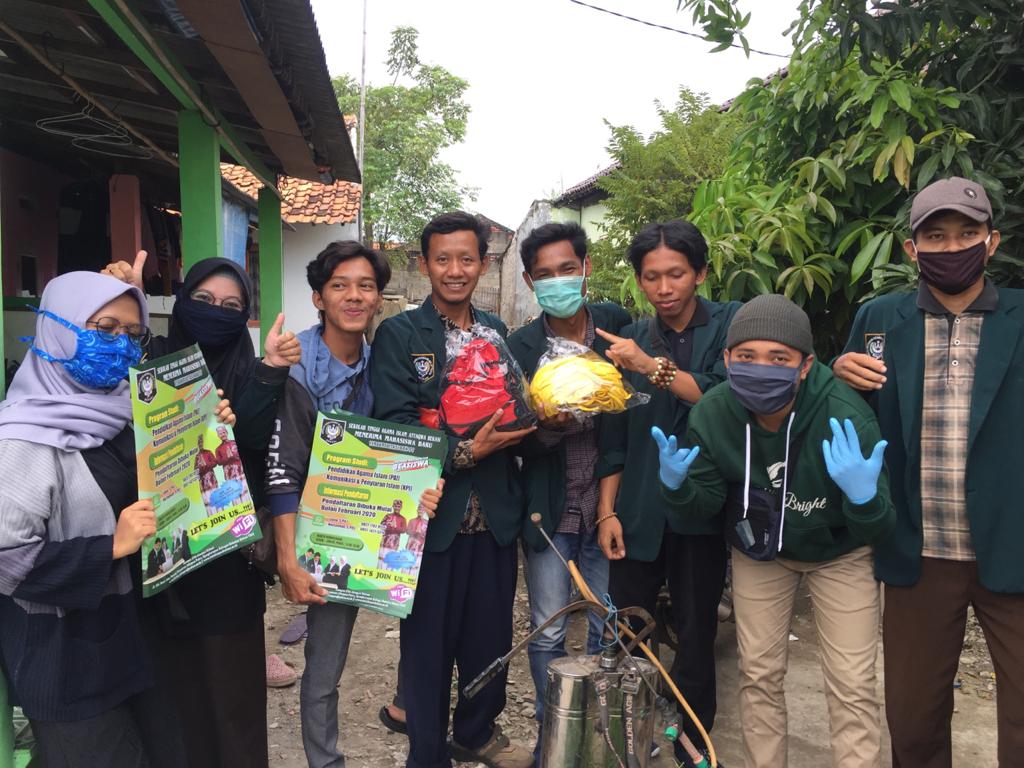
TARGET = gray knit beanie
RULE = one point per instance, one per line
(771, 317)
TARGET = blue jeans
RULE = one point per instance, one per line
(550, 588)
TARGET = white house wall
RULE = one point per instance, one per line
(300, 248)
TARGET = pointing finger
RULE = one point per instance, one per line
(659, 438)
(607, 336)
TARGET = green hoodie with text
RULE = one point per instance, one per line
(820, 523)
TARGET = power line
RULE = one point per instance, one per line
(670, 29)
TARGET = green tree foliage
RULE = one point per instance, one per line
(655, 180)
(408, 122)
(873, 106)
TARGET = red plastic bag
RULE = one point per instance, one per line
(479, 377)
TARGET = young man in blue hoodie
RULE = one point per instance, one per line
(332, 375)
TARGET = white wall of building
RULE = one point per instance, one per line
(300, 248)
(518, 303)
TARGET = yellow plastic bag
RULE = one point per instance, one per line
(571, 378)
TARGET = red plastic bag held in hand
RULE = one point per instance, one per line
(481, 376)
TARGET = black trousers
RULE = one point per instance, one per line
(694, 569)
(219, 685)
(134, 734)
(462, 615)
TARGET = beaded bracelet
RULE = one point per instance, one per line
(664, 374)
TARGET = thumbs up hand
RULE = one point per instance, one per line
(128, 273)
(281, 348)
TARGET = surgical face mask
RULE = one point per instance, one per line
(100, 361)
(560, 296)
(763, 389)
(953, 272)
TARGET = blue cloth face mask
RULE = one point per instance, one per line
(99, 362)
(763, 389)
(560, 296)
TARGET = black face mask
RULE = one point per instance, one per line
(208, 324)
(953, 272)
(764, 389)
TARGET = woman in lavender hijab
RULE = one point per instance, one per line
(71, 525)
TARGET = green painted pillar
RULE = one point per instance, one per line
(6, 726)
(202, 221)
(271, 260)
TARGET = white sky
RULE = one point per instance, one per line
(545, 74)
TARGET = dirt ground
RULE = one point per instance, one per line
(369, 680)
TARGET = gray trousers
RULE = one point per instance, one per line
(330, 630)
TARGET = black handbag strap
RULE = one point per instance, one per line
(357, 387)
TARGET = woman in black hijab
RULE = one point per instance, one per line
(209, 625)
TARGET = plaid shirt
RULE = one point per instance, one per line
(580, 459)
(950, 351)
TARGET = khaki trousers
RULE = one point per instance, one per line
(845, 598)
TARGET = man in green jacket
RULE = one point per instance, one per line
(778, 448)
(560, 459)
(943, 368)
(463, 609)
(674, 357)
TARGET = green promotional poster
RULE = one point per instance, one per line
(190, 466)
(359, 529)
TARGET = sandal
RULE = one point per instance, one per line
(393, 725)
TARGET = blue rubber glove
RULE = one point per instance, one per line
(673, 462)
(855, 475)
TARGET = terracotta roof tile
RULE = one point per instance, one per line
(303, 202)
(585, 187)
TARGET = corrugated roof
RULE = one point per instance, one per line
(303, 202)
(292, 44)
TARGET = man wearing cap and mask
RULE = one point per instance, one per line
(944, 370)
(780, 449)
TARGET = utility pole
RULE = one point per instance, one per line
(362, 133)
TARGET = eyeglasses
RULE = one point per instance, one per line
(108, 328)
(230, 303)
